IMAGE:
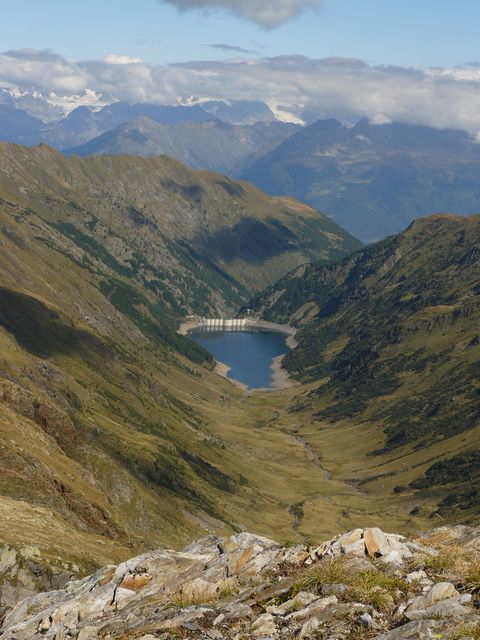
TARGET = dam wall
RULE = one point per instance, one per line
(238, 324)
(224, 324)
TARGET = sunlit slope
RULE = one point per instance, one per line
(390, 337)
(200, 241)
(114, 432)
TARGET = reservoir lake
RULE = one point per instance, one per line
(248, 354)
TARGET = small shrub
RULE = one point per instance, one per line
(447, 560)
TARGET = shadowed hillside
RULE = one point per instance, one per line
(155, 222)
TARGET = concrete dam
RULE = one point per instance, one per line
(225, 324)
(238, 324)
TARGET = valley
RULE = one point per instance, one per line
(239, 320)
(115, 430)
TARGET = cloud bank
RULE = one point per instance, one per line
(346, 89)
(266, 13)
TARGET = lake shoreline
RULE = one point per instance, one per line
(280, 377)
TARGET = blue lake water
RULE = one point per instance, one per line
(249, 354)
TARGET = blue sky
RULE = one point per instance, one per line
(412, 61)
(417, 33)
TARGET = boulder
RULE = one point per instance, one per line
(264, 626)
(376, 543)
(439, 591)
(300, 601)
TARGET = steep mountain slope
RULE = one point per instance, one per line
(373, 180)
(114, 433)
(212, 145)
(195, 238)
(390, 337)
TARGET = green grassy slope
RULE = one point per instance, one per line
(390, 336)
(198, 240)
(115, 433)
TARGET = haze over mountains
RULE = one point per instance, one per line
(211, 145)
(372, 179)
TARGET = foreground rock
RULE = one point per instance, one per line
(24, 572)
(365, 583)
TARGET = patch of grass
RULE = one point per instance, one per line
(457, 565)
(377, 589)
(194, 596)
(329, 571)
(186, 600)
(465, 631)
(370, 587)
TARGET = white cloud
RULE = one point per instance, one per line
(266, 13)
(305, 88)
(113, 58)
(380, 118)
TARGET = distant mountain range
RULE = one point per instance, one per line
(30, 119)
(373, 180)
(210, 144)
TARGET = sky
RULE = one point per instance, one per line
(418, 33)
(404, 60)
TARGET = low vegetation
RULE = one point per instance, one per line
(389, 336)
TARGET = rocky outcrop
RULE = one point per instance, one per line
(25, 571)
(362, 584)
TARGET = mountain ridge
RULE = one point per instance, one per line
(374, 179)
(389, 337)
(212, 145)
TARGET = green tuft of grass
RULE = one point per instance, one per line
(329, 571)
(377, 589)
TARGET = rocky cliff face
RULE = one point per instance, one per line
(362, 584)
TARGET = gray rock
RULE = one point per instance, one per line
(300, 601)
(416, 630)
(440, 591)
(313, 609)
(367, 621)
(237, 610)
(309, 628)
(451, 608)
(8, 559)
(264, 626)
